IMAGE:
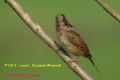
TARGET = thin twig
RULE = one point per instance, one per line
(49, 41)
(107, 8)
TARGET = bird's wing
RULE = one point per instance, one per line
(74, 38)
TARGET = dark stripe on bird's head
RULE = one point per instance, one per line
(62, 21)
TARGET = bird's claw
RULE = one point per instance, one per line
(70, 62)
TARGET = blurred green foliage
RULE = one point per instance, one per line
(19, 45)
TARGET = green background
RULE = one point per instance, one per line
(19, 45)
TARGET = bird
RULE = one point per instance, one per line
(70, 39)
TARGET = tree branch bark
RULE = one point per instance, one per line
(107, 8)
(48, 40)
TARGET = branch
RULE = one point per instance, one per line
(49, 41)
(107, 8)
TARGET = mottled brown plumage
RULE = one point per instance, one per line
(70, 39)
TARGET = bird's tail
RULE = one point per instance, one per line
(91, 60)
